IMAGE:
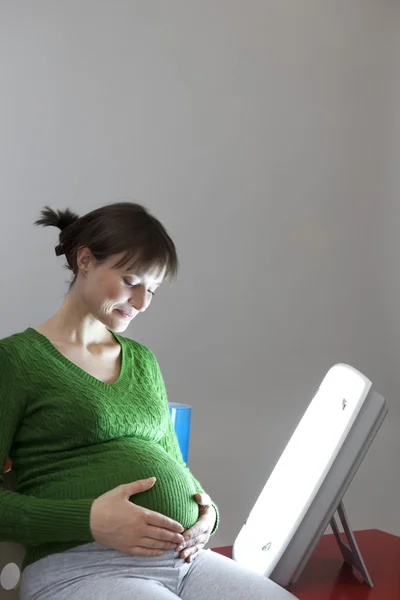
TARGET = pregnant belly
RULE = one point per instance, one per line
(173, 492)
(124, 461)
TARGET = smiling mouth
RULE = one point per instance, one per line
(125, 314)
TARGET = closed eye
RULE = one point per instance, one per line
(129, 283)
(132, 285)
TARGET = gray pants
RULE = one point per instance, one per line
(94, 572)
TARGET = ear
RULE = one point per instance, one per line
(84, 259)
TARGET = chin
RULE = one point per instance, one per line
(117, 324)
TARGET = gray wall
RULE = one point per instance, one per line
(261, 134)
(390, 287)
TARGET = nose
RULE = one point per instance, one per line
(139, 299)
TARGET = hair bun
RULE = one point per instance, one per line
(57, 218)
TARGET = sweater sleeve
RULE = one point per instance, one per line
(27, 519)
(170, 441)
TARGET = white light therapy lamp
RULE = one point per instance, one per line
(307, 485)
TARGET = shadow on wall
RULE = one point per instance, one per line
(11, 556)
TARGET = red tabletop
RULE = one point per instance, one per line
(327, 577)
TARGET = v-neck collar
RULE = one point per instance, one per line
(50, 349)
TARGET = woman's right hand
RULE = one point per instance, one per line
(119, 524)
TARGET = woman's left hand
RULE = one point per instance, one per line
(197, 536)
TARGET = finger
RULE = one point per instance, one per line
(203, 499)
(189, 552)
(135, 487)
(139, 551)
(201, 539)
(156, 533)
(192, 557)
(147, 542)
(195, 531)
(158, 520)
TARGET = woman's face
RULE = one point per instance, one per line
(115, 295)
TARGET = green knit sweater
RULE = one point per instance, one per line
(72, 438)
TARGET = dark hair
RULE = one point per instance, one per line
(123, 228)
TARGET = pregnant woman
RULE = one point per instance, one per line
(105, 506)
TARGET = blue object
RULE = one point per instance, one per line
(181, 415)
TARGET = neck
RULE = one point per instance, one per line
(73, 323)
